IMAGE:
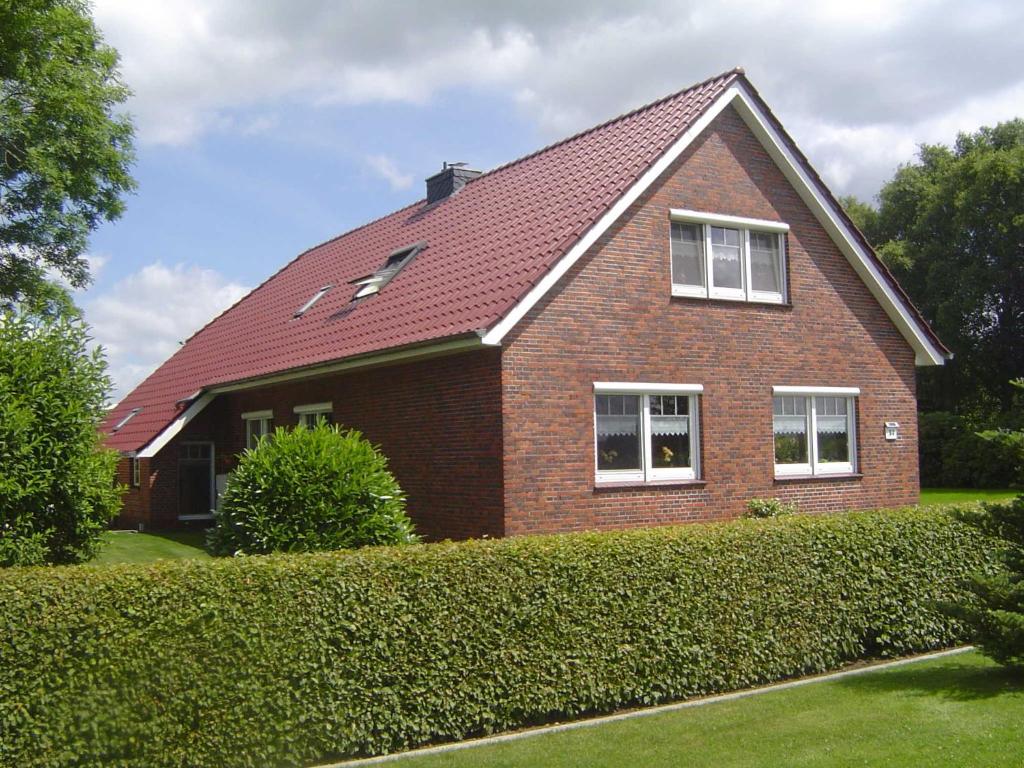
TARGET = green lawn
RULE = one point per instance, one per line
(131, 547)
(952, 495)
(954, 711)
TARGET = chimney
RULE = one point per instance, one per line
(449, 180)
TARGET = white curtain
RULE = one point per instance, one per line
(608, 426)
(670, 425)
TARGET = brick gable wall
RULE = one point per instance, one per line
(438, 421)
(613, 319)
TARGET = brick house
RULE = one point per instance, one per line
(652, 321)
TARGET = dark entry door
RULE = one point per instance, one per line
(195, 481)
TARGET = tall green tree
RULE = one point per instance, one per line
(65, 150)
(57, 489)
(951, 228)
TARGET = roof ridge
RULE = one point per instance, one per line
(630, 113)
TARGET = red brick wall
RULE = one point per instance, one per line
(438, 421)
(613, 319)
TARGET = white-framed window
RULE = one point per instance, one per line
(310, 415)
(646, 432)
(815, 430)
(258, 424)
(728, 257)
(136, 471)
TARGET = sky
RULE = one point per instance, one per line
(265, 128)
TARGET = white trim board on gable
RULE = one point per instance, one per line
(832, 220)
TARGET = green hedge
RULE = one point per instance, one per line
(293, 659)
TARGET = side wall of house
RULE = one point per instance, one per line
(612, 318)
(437, 420)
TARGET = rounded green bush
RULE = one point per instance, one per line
(310, 489)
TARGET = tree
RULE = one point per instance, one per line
(64, 150)
(310, 489)
(951, 228)
(995, 618)
(57, 489)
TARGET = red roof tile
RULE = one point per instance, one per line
(486, 247)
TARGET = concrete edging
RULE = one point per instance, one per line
(647, 712)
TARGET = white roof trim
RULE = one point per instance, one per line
(154, 446)
(630, 387)
(827, 214)
(849, 391)
(681, 214)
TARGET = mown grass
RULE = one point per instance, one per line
(930, 496)
(953, 711)
(131, 547)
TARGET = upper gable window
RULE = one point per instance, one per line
(728, 257)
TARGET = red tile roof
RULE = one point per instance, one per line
(486, 247)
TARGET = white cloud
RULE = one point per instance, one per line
(142, 318)
(859, 83)
(387, 169)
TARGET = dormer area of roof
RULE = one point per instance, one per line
(395, 262)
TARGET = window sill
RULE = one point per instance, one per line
(812, 478)
(187, 518)
(618, 485)
(731, 302)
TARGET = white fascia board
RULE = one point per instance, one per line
(500, 330)
(314, 408)
(631, 387)
(926, 353)
(721, 219)
(252, 415)
(831, 219)
(848, 391)
(154, 446)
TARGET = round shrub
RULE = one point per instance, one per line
(310, 489)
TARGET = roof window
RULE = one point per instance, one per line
(131, 415)
(367, 286)
(309, 304)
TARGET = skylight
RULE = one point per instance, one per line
(309, 304)
(131, 415)
(392, 266)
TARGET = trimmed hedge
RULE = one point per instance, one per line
(293, 659)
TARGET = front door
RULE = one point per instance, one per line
(195, 481)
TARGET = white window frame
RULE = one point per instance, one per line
(815, 467)
(311, 411)
(264, 418)
(745, 225)
(136, 472)
(647, 472)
